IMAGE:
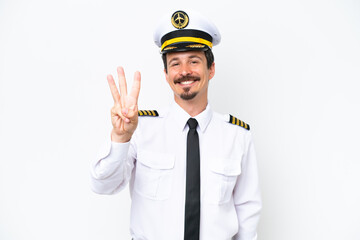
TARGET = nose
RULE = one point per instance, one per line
(185, 70)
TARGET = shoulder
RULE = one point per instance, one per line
(230, 120)
(150, 117)
(235, 121)
(149, 121)
(148, 113)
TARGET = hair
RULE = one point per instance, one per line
(208, 55)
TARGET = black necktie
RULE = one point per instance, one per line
(192, 200)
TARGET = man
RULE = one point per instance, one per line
(192, 172)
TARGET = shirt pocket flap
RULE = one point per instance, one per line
(226, 166)
(156, 160)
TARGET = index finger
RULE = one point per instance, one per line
(114, 91)
(122, 83)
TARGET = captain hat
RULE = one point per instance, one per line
(185, 31)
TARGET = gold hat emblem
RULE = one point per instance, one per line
(180, 19)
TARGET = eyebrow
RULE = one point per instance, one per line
(195, 56)
(190, 57)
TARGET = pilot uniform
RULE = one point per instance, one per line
(153, 163)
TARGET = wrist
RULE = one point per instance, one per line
(122, 138)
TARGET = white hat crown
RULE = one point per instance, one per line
(185, 30)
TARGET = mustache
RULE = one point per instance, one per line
(186, 78)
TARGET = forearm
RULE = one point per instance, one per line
(112, 170)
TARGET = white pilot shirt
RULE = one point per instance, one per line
(154, 164)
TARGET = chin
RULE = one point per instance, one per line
(188, 95)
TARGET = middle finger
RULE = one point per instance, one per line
(122, 84)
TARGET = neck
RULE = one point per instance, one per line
(192, 107)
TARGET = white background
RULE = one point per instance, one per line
(289, 68)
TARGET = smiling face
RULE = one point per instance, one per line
(188, 76)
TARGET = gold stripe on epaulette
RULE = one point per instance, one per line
(238, 122)
(150, 113)
(232, 119)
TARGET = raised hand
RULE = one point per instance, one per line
(124, 113)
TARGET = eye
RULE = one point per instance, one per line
(174, 64)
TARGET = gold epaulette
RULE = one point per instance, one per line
(150, 113)
(235, 121)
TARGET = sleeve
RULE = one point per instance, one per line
(111, 171)
(247, 196)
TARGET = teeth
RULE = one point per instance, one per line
(187, 82)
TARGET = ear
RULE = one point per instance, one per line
(212, 71)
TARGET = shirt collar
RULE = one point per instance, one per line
(180, 117)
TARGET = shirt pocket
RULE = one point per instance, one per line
(154, 175)
(222, 179)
